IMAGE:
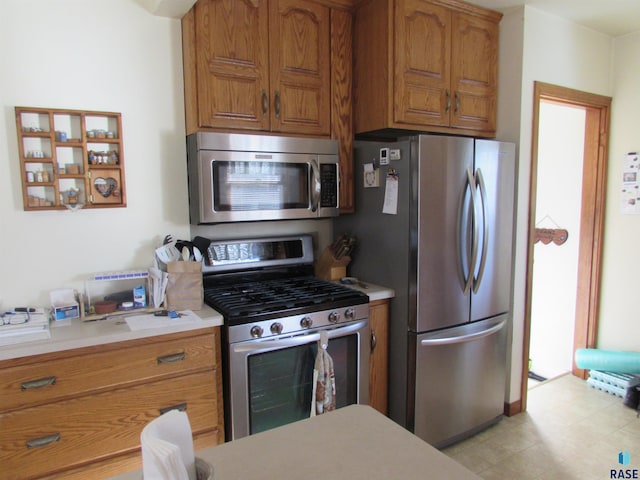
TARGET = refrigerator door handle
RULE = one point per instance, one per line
(468, 278)
(463, 338)
(479, 181)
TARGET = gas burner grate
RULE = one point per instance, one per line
(245, 302)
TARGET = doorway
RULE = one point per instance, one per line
(561, 131)
(591, 218)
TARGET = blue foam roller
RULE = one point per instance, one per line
(608, 360)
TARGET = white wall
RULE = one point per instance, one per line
(619, 319)
(105, 55)
(562, 53)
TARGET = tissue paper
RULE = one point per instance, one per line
(167, 448)
(64, 304)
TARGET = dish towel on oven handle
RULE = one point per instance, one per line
(323, 398)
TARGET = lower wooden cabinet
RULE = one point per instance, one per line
(94, 432)
(379, 361)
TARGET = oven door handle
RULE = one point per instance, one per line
(268, 344)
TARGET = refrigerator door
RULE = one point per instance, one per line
(443, 230)
(460, 380)
(494, 177)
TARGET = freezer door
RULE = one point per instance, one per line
(460, 380)
(494, 178)
(443, 231)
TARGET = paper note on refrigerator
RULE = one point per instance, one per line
(391, 195)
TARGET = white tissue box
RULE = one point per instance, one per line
(62, 312)
(64, 304)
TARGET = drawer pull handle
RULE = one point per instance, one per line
(176, 357)
(43, 441)
(182, 407)
(41, 382)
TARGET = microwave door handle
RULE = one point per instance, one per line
(315, 185)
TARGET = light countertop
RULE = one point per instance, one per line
(375, 292)
(67, 335)
(354, 442)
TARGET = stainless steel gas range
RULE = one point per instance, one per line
(274, 311)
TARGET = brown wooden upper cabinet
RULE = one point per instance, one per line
(262, 65)
(272, 66)
(433, 68)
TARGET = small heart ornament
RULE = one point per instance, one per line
(105, 186)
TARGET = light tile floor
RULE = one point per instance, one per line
(569, 431)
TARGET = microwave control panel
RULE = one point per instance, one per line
(328, 185)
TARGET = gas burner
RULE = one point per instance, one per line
(257, 301)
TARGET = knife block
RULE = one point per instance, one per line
(331, 268)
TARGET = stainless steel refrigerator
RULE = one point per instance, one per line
(447, 253)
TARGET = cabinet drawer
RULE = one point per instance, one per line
(77, 431)
(49, 380)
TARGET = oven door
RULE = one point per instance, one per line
(271, 380)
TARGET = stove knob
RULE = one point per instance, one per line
(306, 322)
(334, 317)
(276, 328)
(349, 313)
(256, 331)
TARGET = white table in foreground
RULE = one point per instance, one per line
(353, 443)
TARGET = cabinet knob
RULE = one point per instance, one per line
(457, 107)
(448, 107)
(277, 104)
(265, 102)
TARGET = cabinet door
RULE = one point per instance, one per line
(299, 35)
(232, 63)
(422, 63)
(474, 72)
(379, 360)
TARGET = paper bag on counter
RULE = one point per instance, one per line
(184, 286)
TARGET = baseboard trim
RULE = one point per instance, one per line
(511, 409)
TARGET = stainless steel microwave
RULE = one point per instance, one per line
(236, 177)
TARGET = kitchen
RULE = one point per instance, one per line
(117, 56)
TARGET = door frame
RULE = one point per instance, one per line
(598, 111)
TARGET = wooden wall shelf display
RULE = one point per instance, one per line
(70, 158)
